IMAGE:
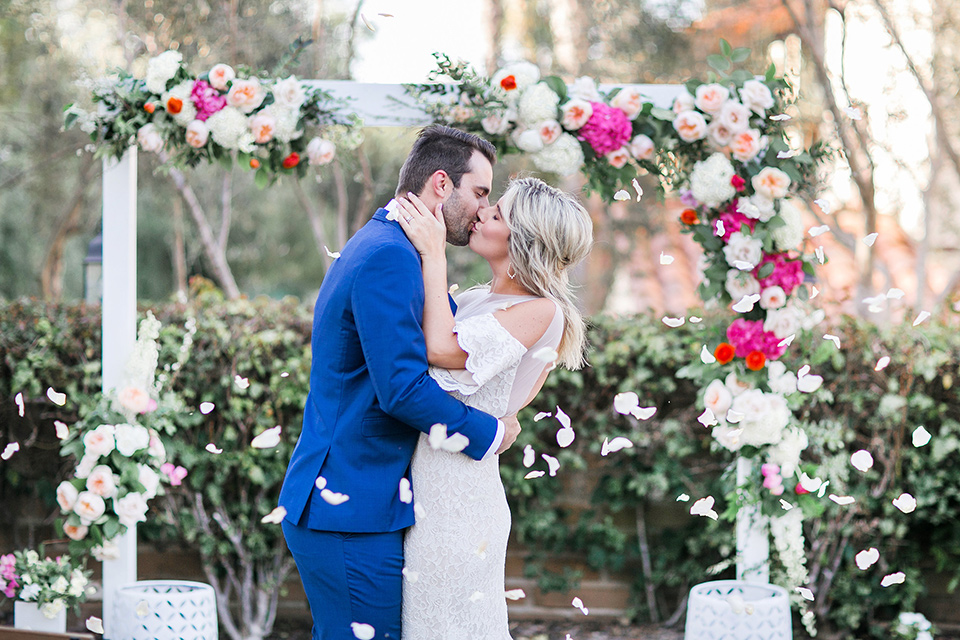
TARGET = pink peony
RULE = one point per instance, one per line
(748, 335)
(607, 130)
(207, 99)
(787, 274)
(733, 220)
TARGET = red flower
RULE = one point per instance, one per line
(291, 160)
(174, 105)
(800, 490)
(509, 83)
(689, 216)
(724, 352)
(149, 107)
(255, 164)
(756, 360)
(738, 183)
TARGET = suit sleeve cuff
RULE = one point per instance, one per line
(497, 440)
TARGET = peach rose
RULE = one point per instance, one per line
(263, 126)
(641, 147)
(717, 398)
(197, 135)
(99, 442)
(75, 532)
(746, 146)
(220, 76)
(690, 125)
(618, 157)
(735, 116)
(102, 482)
(246, 95)
(549, 130)
(683, 102)
(710, 97)
(67, 496)
(719, 134)
(575, 112)
(89, 507)
(629, 101)
(320, 152)
(771, 183)
(134, 398)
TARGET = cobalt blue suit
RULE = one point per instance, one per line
(370, 397)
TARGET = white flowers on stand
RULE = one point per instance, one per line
(710, 180)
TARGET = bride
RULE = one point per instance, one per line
(490, 356)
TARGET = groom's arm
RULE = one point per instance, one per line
(387, 301)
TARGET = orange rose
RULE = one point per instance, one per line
(689, 216)
(724, 352)
(756, 360)
(509, 83)
(254, 163)
(291, 160)
(149, 107)
(174, 105)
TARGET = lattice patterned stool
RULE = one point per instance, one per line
(734, 610)
(165, 610)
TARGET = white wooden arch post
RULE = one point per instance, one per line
(382, 105)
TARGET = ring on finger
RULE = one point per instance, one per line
(408, 218)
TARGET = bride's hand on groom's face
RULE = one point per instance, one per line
(425, 228)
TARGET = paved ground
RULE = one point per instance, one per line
(530, 630)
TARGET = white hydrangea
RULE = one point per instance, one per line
(188, 111)
(538, 103)
(741, 283)
(228, 126)
(756, 96)
(786, 453)
(743, 248)
(528, 140)
(728, 436)
(779, 379)
(161, 70)
(564, 157)
(524, 74)
(765, 416)
(710, 180)
(789, 235)
(286, 120)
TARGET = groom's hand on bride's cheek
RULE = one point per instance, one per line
(511, 429)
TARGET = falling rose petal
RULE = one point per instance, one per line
(823, 204)
(853, 112)
(695, 319)
(707, 418)
(861, 460)
(820, 256)
(540, 416)
(534, 475)
(476, 596)
(643, 413)
(438, 433)
(920, 318)
(745, 305)
(411, 576)
(274, 517)
(779, 117)
(212, 448)
(665, 259)
(809, 384)
(565, 437)
(621, 195)
(616, 444)
(706, 357)
(743, 265)
(529, 456)
(747, 208)
(19, 401)
(734, 417)
(625, 402)
(56, 398)
(143, 609)
(515, 594)
(895, 294)
(818, 231)
(454, 287)
(553, 465)
(207, 407)
(332, 254)
(810, 484)
(334, 498)
(363, 631)
(906, 503)
(578, 603)
(241, 382)
(882, 363)
(719, 229)
(284, 374)
(455, 443)
(95, 625)
(9, 450)
(842, 500)
(321, 483)
(406, 493)
(869, 239)
(563, 418)
(893, 578)
(547, 355)
(385, 15)
(786, 506)
(367, 24)
(805, 593)
(786, 341)
(920, 436)
(637, 188)
(704, 507)
(268, 439)
(804, 370)
(62, 430)
(785, 154)
(823, 488)
(815, 292)
(867, 558)
(673, 323)
(683, 498)
(835, 339)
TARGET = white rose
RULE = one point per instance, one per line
(728, 436)
(245, 95)
(89, 507)
(320, 152)
(109, 550)
(782, 322)
(528, 140)
(765, 416)
(734, 116)
(197, 135)
(618, 157)
(718, 134)
(99, 442)
(537, 103)
(790, 234)
(735, 384)
(549, 131)
(771, 182)
(628, 100)
(161, 70)
(156, 449)
(710, 97)
(102, 482)
(131, 438)
(743, 248)
(30, 592)
(683, 102)
(85, 466)
(762, 209)
(575, 113)
(690, 125)
(741, 283)
(67, 496)
(289, 93)
(150, 480)
(75, 532)
(564, 157)
(149, 138)
(772, 297)
(60, 585)
(221, 75)
(780, 380)
(747, 145)
(717, 398)
(131, 509)
(756, 96)
(585, 88)
(51, 610)
(641, 147)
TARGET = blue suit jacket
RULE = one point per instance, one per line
(370, 395)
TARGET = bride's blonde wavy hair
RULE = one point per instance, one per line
(550, 232)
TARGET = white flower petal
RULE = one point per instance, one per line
(706, 357)
(704, 507)
(268, 439)
(553, 465)
(823, 204)
(331, 254)
(540, 416)
(19, 402)
(719, 229)
(241, 382)
(920, 318)
(547, 355)
(920, 436)
(853, 112)
(9, 450)
(476, 596)
(869, 239)
(333, 497)
(695, 319)
(867, 558)
(734, 417)
(363, 631)
(643, 413)
(861, 460)
(455, 443)
(673, 322)
(95, 625)
(817, 231)
(746, 303)
(905, 502)
(453, 288)
(820, 255)
(842, 500)
(438, 433)
(143, 609)
(411, 576)
(893, 578)
(805, 593)
(515, 594)
(815, 292)
(529, 456)
(62, 430)
(320, 482)
(563, 418)
(565, 437)
(406, 493)
(786, 341)
(665, 259)
(616, 444)
(534, 474)
(779, 117)
(621, 195)
(683, 498)
(626, 402)
(835, 339)
(274, 517)
(637, 188)
(786, 506)
(206, 407)
(212, 448)
(882, 363)
(578, 603)
(56, 398)
(743, 265)
(707, 418)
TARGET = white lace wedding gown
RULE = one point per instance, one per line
(453, 587)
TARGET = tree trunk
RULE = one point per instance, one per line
(51, 274)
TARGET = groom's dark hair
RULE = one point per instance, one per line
(440, 148)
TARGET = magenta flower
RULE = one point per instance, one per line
(748, 335)
(207, 99)
(607, 130)
(787, 273)
(11, 589)
(733, 220)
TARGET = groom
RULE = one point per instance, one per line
(346, 491)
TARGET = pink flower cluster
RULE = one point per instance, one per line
(7, 573)
(175, 474)
(607, 130)
(733, 220)
(207, 99)
(748, 335)
(787, 274)
(772, 479)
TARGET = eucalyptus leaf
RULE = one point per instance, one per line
(718, 62)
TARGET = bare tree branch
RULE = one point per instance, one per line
(226, 210)
(51, 274)
(343, 202)
(316, 222)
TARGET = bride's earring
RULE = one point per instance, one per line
(511, 275)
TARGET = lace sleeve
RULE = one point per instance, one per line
(490, 349)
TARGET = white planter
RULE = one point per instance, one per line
(26, 615)
(165, 610)
(734, 610)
